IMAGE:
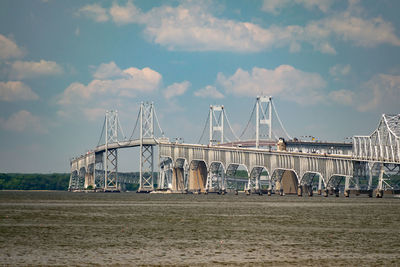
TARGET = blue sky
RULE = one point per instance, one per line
(331, 66)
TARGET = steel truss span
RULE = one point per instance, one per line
(215, 167)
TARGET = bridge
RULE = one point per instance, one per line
(266, 157)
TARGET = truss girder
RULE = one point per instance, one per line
(383, 144)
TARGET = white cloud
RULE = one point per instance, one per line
(9, 49)
(191, 26)
(382, 93)
(275, 6)
(108, 71)
(95, 12)
(343, 96)
(209, 91)
(176, 89)
(23, 121)
(359, 31)
(29, 69)
(136, 80)
(125, 14)
(94, 113)
(339, 70)
(110, 89)
(15, 90)
(285, 81)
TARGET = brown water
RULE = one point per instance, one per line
(61, 228)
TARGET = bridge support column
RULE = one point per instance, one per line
(336, 190)
(300, 191)
(111, 170)
(178, 183)
(369, 167)
(89, 177)
(379, 190)
(310, 191)
(319, 184)
(73, 181)
(99, 172)
(146, 183)
(197, 176)
(347, 193)
(347, 186)
(326, 192)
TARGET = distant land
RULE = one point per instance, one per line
(40, 181)
(34, 181)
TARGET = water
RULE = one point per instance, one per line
(62, 228)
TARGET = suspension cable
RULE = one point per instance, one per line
(158, 123)
(102, 131)
(120, 127)
(280, 121)
(134, 128)
(205, 127)
(230, 127)
(122, 132)
(248, 123)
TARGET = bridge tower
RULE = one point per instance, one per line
(111, 155)
(262, 105)
(146, 150)
(216, 123)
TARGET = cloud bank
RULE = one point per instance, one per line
(192, 26)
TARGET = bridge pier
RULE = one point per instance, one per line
(347, 193)
(197, 176)
(310, 191)
(336, 190)
(300, 191)
(326, 192)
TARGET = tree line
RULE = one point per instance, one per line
(34, 181)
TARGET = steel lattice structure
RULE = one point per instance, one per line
(146, 151)
(383, 144)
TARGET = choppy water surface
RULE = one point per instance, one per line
(62, 228)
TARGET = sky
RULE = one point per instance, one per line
(332, 68)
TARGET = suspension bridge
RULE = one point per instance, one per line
(270, 159)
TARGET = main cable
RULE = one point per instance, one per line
(281, 122)
(205, 126)
(248, 123)
(102, 131)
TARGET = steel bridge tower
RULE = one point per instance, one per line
(262, 105)
(111, 155)
(146, 115)
(216, 123)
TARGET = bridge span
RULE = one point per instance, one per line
(214, 167)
